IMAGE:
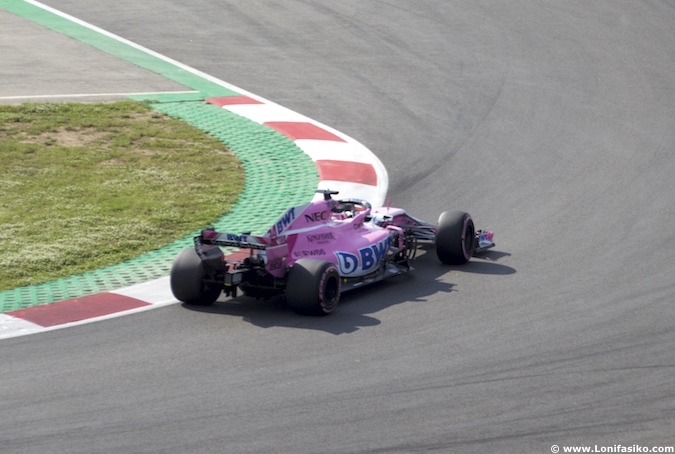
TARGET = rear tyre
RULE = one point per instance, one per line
(455, 237)
(187, 280)
(313, 287)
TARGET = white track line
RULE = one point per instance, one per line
(157, 292)
(93, 95)
(378, 195)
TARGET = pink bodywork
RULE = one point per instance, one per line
(314, 231)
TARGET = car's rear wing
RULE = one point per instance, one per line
(210, 236)
(272, 252)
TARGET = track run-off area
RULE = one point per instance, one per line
(551, 123)
(286, 157)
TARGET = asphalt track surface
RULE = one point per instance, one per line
(551, 122)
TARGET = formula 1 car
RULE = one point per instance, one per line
(318, 250)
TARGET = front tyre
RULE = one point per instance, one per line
(187, 280)
(313, 287)
(455, 237)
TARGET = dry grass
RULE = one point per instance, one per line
(89, 185)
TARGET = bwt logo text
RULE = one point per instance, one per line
(367, 258)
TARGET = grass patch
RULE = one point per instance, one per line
(83, 186)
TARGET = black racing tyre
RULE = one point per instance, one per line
(313, 287)
(455, 237)
(187, 280)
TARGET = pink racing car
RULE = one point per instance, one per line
(318, 250)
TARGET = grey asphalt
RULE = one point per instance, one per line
(551, 122)
(40, 65)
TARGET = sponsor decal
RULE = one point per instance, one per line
(317, 216)
(321, 238)
(366, 259)
(275, 265)
(237, 238)
(311, 253)
(347, 262)
(282, 224)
